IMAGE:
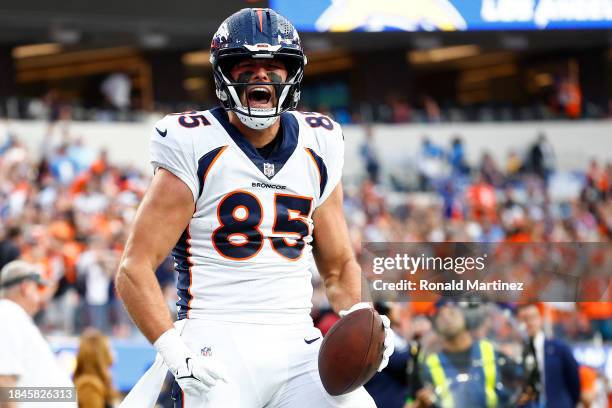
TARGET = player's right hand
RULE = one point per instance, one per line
(199, 374)
(194, 374)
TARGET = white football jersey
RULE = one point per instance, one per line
(246, 254)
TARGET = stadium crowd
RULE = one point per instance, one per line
(68, 212)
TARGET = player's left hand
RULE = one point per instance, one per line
(389, 345)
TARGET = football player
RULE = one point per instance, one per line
(246, 194)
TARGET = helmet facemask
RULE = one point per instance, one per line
(286, 93)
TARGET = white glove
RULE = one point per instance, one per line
(195, 374)
(389, 345)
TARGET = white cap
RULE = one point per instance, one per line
(17, 271)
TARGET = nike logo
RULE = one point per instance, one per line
(312, 341)
(162, 134)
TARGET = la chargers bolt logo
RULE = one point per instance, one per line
(349, 15)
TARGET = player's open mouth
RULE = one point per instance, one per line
(259, 97)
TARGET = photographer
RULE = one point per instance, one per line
(466, 371)
(551, 370)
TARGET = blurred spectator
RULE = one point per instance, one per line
(598, 181)
(80, 155)
(92, 377)
(117, 88)
(369, 155)
(599, 315)
(430, 163)
(481, 200)
(432, 109)
(491, 232)
(453, 208)
(540, 158)
(513, 166)
(62, 167)
(10, 245)
(592, 388)
(457, 158)
(17, 154)
(374, 208)
(569, 94)
(26, 360)
(401, 112)
(490, 172)
(52, 103)
(92, 200)
(556, 380)
(100, 164)
(95, 269)
(8, 142)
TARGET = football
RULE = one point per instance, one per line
(351, 351)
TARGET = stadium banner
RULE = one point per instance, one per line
(444, 15)
(508, 272)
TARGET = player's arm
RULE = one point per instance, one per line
(337, 264)
(165, 211)
(333, 253)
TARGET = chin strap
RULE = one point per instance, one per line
(255, 122)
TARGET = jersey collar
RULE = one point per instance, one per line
(273, 164)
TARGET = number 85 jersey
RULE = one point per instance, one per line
(245, 255)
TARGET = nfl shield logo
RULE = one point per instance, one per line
(206, 351)
(268, 169)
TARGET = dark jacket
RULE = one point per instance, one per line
(388, 388)
(560, 375)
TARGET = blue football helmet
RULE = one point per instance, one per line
(257, 33)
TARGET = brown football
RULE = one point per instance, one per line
(351, 351)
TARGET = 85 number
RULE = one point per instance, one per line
(240, 214)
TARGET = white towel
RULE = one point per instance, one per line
(146, 391)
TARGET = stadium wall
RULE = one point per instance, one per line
(574, 142)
